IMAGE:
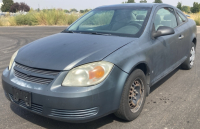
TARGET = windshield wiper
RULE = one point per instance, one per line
(66, 31)
(95, 33)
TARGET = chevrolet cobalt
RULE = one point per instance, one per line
(103, 63)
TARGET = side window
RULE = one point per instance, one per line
(181, 17)
(165, 17)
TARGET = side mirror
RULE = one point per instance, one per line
(162, 31)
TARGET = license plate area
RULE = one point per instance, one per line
(22, 95)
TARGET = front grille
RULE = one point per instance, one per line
(74, 113)
(34, 79)
(40, 76)
(34, 107)
(34, 70)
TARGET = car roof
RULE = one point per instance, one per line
(131, 5)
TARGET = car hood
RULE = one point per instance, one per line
(64, 51)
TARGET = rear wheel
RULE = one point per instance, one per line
(189, 62)
(133, 96)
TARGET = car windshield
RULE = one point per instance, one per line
(121, 21)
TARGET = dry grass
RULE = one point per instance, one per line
(1, 22)
(4, 21)
(44, 17)
(195, 17)
(53, 17)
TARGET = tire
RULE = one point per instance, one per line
(127, 110)
(189, 62)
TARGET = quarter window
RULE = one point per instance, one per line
(165, 17)
(181, 17)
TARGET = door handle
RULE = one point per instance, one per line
(181, 37)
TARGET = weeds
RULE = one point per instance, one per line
(195, 17)
(44, 17)
(1, 23)
(54, 17)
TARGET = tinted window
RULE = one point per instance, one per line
(99, 19)
(122, 21)
(165, 17)
(181, 17)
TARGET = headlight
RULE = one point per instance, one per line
(88, 74)
(12, 59)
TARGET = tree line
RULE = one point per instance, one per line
(188, 9)
(142, 1)
(10, 6)
(75, 10)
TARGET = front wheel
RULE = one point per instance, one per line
(189, 62)
(133, 96)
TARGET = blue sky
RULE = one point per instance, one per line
(83, 4)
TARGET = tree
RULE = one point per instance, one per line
(143, 1)
(66, 11)
(24, 7)
(82, 11)
(15, 7)
(158, 1)
(87, 10)
(131, 1)
(19, 7)
(73, 10)
(195, 8)
(179, 5)
(6, 5)
(186, 9)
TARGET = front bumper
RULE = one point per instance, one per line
(69, 104)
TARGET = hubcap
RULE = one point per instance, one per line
(192, 57)
(136, 95)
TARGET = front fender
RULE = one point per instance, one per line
(127, 58)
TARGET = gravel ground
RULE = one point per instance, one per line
(173, 103)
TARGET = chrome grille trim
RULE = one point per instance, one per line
(35, 70)
(34, 79)
(74, 113)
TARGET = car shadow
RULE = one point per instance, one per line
(53, 124)
(159, 83)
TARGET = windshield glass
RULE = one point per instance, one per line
(124, 22)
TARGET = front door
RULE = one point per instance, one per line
(184, 37)
(165, 16)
